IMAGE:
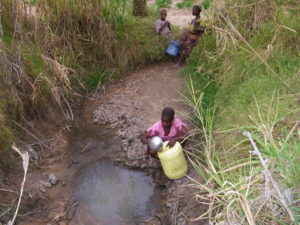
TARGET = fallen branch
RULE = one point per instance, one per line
(25, 163)
(269, 177)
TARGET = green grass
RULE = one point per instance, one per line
(185, 4)
(232, 91)
(7, 39)
(33, 61)
(163, 3)
(97, 78)
(139, 44)
(7, 133)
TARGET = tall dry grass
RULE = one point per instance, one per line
(59, 49)
(77, 24)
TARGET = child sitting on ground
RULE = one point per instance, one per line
(196, 30)
(163, 26)
(168, 128)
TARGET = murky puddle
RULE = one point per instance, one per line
(114, 195)
(109, 194)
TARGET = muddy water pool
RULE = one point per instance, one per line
(115, 195)
(108, 194)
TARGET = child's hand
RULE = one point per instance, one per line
(167, 23)
(172, 143)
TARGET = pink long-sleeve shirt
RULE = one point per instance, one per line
(158, 130)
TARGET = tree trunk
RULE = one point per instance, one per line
(140, 8)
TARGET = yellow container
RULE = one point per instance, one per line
(173, 161)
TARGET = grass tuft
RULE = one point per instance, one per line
(185, 4)
(163, 3)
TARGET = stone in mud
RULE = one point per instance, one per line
(46, 184)
(52, 179)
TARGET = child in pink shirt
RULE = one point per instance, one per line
(168, 128)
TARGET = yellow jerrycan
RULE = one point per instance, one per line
(173, 161)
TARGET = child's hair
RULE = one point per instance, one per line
(197, 8)
(168, 112)
(163, 10)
